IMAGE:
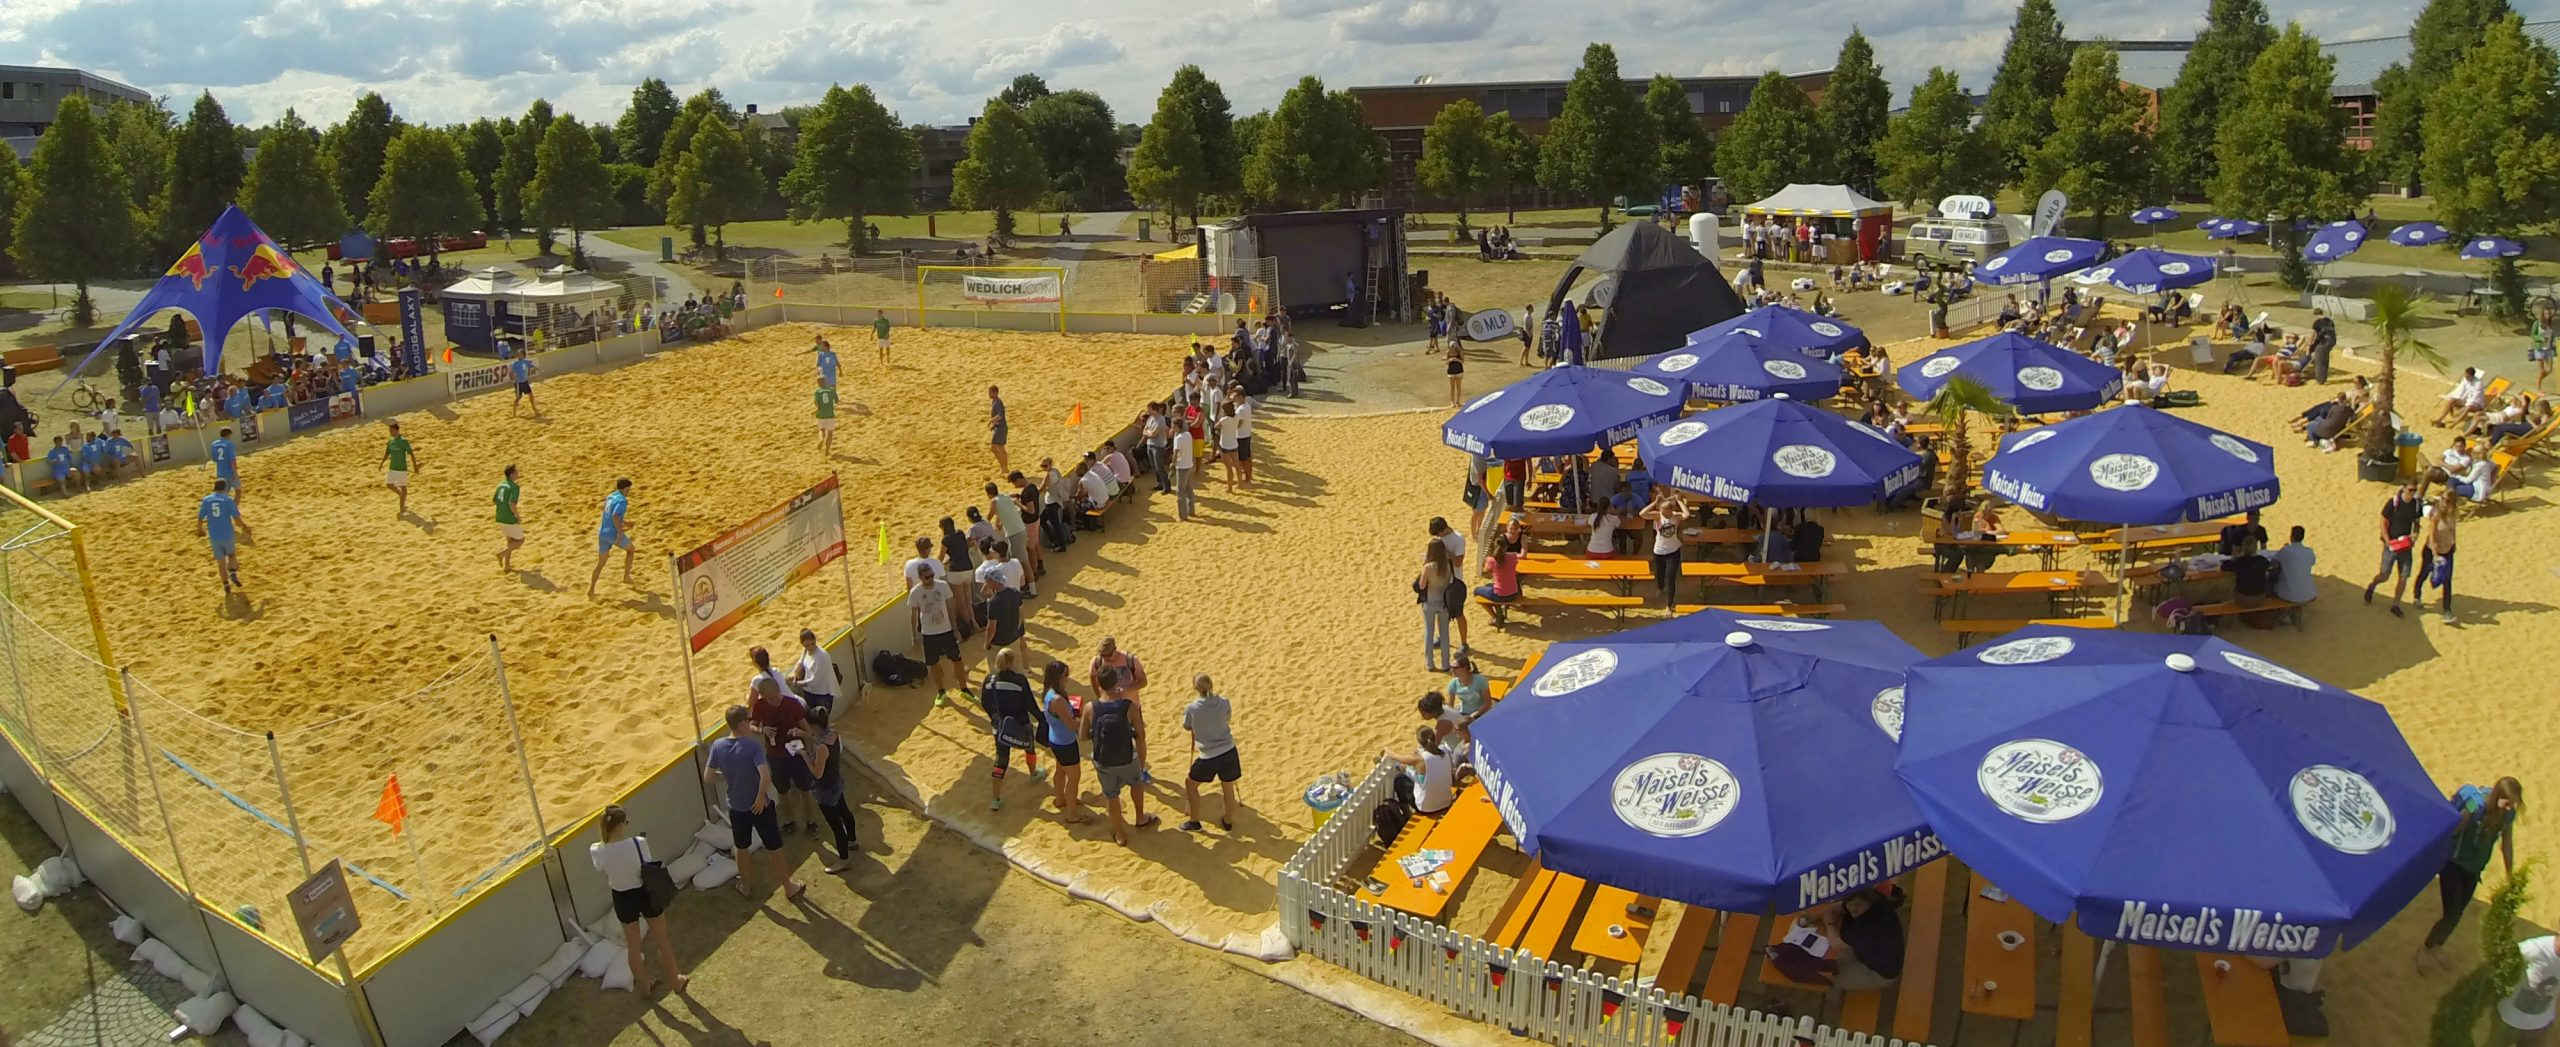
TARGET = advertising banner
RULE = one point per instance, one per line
(1009, 288)
(344, 406)
(475, 379)
(727, 578)
(466, 322)
(413, 331)
(309, 414)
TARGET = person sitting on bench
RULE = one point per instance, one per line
(2145, 383)
(1502, 571)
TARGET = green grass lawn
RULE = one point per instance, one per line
(811, 238)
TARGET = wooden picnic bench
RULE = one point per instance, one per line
(2147, 580)
(2240, 1002)
(2072, 1015)
(2046, 544)
(2147, 999)
(1915, 997)
(1618, 906)
(1555, 913)
(32, 358)
(1773, 610)
(1950, 590)
(1543, 602)
(1862, 1005)
(1627, 572)
(1688, 946)
(1966, 628)
(1998, 981)
(2162, 537)
(1734, 949)
(2286, 608)
(1511, 922)
(1464, 830)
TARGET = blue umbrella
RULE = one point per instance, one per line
(2133, 465)
(1569, 333)
(2154, 216)
(1705, 759)
(2484, 248)
(2172, 790)
(1737, 366)
(2334, 241)
(1810, 333)
(2150, 270)
(2420, 234)
(1779, 453)
(2040, 258)
(2034, 377)
(2235, 228)
(1562, 410)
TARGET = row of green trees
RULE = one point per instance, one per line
(1314, 149)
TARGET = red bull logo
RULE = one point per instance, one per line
(264, 263)
(190, 265)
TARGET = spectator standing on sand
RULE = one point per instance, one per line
(1006, 511)
(1185, 473)
(1003, 603)
(822, 752)
(2324, 337)
(739, 760)
(1244, 432)
(1015, 718)
(1213, 747)
(1117, 730)
(996, 429)
(1133, 673)
(620, 856)
(2487, 828)
(1063, 724)
(612, 531)
(955, 549)
(398, 461)
(2435, 554)
(1434, 590)
(929, 608)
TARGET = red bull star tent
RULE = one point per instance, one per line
(230, 272)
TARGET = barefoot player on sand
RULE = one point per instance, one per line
(398, 461)
(508, 523)
(611, 531)
(826, 420)
(216, 515)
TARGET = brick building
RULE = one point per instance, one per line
(1400, 112)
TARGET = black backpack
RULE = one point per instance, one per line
(1114, 744)
(894, 669)
(1387, 820)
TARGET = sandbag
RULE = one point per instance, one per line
(617, 975)
(58, 875)
(528, 995)
(205, 1014)
(562, 964)
(26, 892)
(126, 929)
(493, 1023)
(152, 952)
(717, 871)
(199, 983)
(598, 956)
(256, 1028)
(688, 866)
(717, 835)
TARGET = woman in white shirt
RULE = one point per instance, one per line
(619, 855)
(1668, 514)
(1430, 781)
(2467, 395)
(1604, 533)
(1228, 431)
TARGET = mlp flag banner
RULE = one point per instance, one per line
(1043, 289)
(727, 578)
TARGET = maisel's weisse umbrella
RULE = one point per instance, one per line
(1779, 453)
(1562, 410)
(2176, 791)
(2485, 248)
(1811, 333)
(2333, 241)
(2154, 216)
(2132, 465)
(2039, 259)
(2234, 228)
(1733, 762)
(2420, 234)
(1734, 367)
(2150, 270)
(2034, 377)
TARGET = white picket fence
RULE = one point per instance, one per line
(1526, 994)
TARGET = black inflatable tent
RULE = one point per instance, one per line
(1662, 290)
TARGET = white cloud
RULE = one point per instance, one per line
(1069, 45)
(1417, 21)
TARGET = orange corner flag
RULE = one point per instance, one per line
(448, 354)
(1076, 416)
(777, 292)
(393, 810)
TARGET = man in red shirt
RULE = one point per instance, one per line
(779, 720)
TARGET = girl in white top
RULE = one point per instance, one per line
(1431, 773)
(620, 856)
(1604, 534)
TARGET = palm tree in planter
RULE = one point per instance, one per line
(2394, 321)
(1955, 404)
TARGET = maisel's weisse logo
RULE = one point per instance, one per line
(1681, 433)
(1788, 370)
(2002, 262)
(2031, 439)
(2058, 255)
(2014, 489)
(2341, 808)
(1781, 625)
(1676, 363)
(2175, 269)
(1546, 417)
(2039, 780)
(1938, 366)
(2028, 651)
(1887, 710)
(1673, 795)
(1804, 461)
(2232, 445)
(2266, 670)
(1867, 868)
(1648, 386)
(2123, 472)
(1826, 328)
(1581, 670)
(1485, 399)
(2041, 379)
(1709, 484)
(2216, 929)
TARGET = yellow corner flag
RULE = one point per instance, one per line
(884, 541)
(393, 809)
(1076, 416)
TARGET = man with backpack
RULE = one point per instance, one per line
(1117, 730)
(1006, 697)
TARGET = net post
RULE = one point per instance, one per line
(151, 771)
(844, 564)
(920, 276)
(97, 617)
(284, 788)
(692, 696)
(515, 734)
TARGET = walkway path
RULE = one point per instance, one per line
(679, 281)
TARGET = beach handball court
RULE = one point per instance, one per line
(363, 639)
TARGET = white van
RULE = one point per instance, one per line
(1956, 240)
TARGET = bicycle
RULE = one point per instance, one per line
(86, 397)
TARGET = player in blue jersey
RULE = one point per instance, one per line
(226, 461)
(216, 516)
(522, 371)
(612, 531)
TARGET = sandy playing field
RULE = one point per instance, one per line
(348, 605)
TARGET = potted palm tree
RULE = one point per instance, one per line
(1954, 404)
(2394, 320)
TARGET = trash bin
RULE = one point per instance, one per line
(666, 248)
(2412, 459)
(1326, 795)
(1146, 228)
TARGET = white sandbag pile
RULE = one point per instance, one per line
(52, 878)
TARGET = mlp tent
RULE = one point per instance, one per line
(230, 272)
(1834, 209)
(1659, 290)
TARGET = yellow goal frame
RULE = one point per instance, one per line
(924, 271)
(88, 585)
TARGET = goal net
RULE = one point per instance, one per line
(1011, 297)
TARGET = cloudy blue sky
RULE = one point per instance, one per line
(936, 60)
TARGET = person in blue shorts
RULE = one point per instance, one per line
(120, 450)
(216, 515)
(522, 371)
(613, 531)
(93, 458)
(226, 461)
(826, 364)
(63, 465)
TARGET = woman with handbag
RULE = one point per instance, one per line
(641, 890)
(824, 753)
(1432, 590)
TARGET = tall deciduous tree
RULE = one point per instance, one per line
(75, 219)
(644, 126)
(2279, 146)
(1930, 150)
(290, 191)
(2018, 113)
(1189, 148)
(1025, 89)
(1682, 151)
(1854, 108)
(1600, 146)
(1515, 160)
(484, 149)
(2445, 31)
(714, 184)
(1316, 149)
(360, 145)
(13, 185)
(2493, 144)
(570, 187)
(142, 136)
(2098, 153)
(1002, 172)
(707, 105)
(204, 172)
(424, 191)
(1777, 139)
(853, 160)
(608, 146)
(522, 150)
(1079, 145)
(2235, 31)
(1457, 156)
